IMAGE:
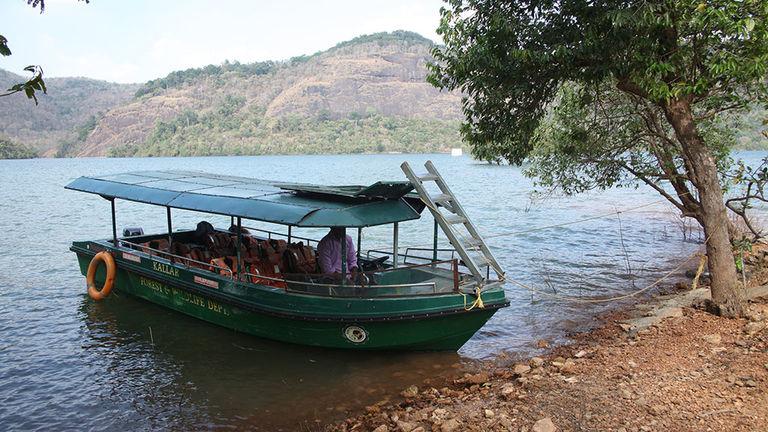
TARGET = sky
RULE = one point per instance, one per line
(130, 41)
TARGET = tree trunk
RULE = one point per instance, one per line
(727, 293)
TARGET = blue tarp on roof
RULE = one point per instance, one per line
(283, 203)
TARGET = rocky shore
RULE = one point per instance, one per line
(665, 365)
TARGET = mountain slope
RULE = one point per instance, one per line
(364, 95)
(69, 105)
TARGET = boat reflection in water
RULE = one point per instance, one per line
(181, 373)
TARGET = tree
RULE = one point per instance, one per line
(604, 93)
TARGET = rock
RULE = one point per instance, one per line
(656, 409)
(568, 367)
(508, 390)
(520, 369)
(406, 426)
(439, 413)
(631, 364)
(419, 429)
(544, 425)
(537, 362)
(626, 394)
(542, 343)
(754, 327)
(750, 383)
(669, 312)
(479, 378)
(450, 425)
(410, 392)
(381, 428)
(580, 354)
(489, 413)
(713, 339)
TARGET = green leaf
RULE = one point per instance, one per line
(4, 50)
(749, 24)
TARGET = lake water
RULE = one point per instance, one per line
(68, 363)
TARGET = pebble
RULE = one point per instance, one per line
(568, 367)
(542, 343)
(406, 426)
(439, 413)
(410, 392)
(489, 413)
(508, 390)
(754, 327)
(450, 425)
(479, 378)
(580, 354)
(382, 428)
(537, 362)
(520, 369)
(544, 425)
(713, 339)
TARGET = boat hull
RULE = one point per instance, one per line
(436, 330)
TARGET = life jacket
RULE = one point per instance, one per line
(219, 265)
(300, 258)
(262, 268)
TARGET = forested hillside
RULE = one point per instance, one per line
(58, 120)
(367, 94)
(11, 150)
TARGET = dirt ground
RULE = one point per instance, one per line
(691, 371)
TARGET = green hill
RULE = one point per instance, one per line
(11, 150)
(368, 94)
(59, 117)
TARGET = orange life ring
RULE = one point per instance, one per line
(109, 261)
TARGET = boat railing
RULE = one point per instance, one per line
(347, 290)
(406, 256)
(409, 249)
(173, 258)
(317, 288)
(275, 233)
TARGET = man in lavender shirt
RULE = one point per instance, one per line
(329, 254)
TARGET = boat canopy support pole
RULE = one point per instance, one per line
(170, 229)
(434, 242)
(395, 248)
(359, 240)
(289, 233)
(343, 256)
(239, 242)
(114, 223)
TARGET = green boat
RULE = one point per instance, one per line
(268, 284)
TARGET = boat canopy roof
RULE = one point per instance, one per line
(296, 204)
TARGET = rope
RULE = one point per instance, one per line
(540, 228)
(624, 296)
(602, 299)
(699, 271)
(478, 303)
